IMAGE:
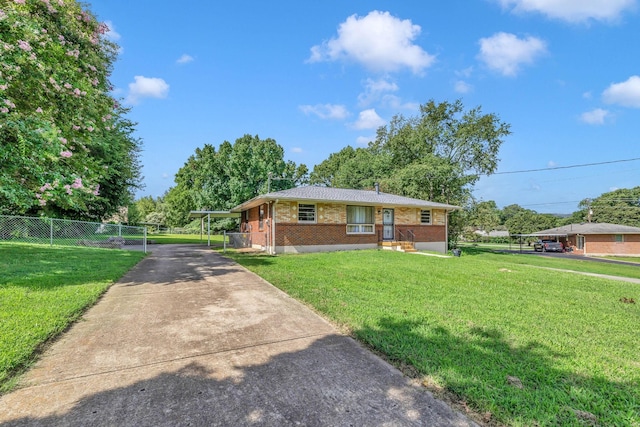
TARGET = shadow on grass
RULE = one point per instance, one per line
(517, 385)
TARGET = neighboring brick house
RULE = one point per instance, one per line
(593, 238)
(316, 219)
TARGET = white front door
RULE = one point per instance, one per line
(387, 224)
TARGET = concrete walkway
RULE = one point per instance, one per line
(189, 338)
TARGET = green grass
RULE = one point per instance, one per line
(216, 240)
(583, 265)
(464, 325)
(43, 289)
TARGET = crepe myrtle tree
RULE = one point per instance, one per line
(66, 148)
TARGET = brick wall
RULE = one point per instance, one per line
(424, 233)
(606, 244)
(319, 234)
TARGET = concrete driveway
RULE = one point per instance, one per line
(189, 338)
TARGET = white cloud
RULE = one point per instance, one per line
(296, 150)
(626, 93)
(146, 87)
(466, 73)
(587, 95)
(506, 53)
(378, 41)
(572, 10)
(165, 175)
(364, 140)
(595, 117)
(368, 119)
(395, 103)
(551, 164)
(461, 86)
(326, 111)
(112, 34)
(374, 89)
(185, 59)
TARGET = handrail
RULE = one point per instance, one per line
(412, 237)
(400, 235)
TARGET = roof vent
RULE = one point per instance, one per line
(377, 185)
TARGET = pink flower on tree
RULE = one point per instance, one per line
(19, 1)
(96, 192)
(24, 45)
(39, 110)
(66, 154)
(77, 183)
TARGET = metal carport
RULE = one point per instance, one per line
(211, 214)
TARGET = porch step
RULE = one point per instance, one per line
(397, 246)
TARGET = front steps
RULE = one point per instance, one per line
(393, 245)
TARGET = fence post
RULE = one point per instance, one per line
(224, 241)
(119, 230)
(51, 231)
(144, 239)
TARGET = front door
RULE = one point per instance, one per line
(387, 224)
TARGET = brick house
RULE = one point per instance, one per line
(315, 219)
(597, 239)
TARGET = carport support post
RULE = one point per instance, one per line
(208, 229)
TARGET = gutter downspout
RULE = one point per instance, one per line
(273, 227)
(446, 231)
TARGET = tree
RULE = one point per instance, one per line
(484, 216)
(221, 179)
(66, 148)
(620, 206)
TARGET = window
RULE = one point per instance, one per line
(619, 238)
(360, 220)
(261, 218)
(425, 217)
(306, 213)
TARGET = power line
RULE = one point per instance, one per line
(568, 167)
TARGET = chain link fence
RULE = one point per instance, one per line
(66, 232)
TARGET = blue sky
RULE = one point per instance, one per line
(317, 76)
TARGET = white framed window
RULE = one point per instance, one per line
(306, 213)
(425, 217)
(360, 220)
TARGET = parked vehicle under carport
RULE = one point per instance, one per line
(548, 246)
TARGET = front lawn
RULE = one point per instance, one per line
(515, 344)
(43, 289)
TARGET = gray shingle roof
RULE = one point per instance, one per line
(591, 228)
(342, 195)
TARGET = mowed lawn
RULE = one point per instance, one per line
(514, 343)
(43, 289)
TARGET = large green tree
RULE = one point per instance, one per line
(621, 206)
(221, 179)
(438, 155)
(66, 147)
